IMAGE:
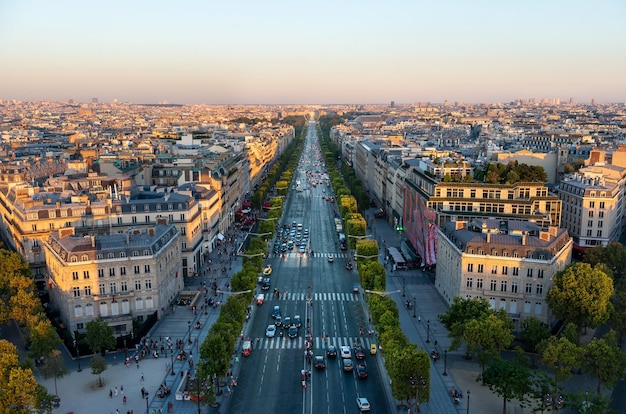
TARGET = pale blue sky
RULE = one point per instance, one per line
(279, 51)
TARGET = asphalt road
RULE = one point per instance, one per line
(321, 293)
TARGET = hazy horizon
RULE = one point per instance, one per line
(322, 53)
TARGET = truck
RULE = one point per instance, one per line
(338, 225)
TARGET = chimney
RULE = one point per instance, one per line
(524, 239)
(488, 237)
(93, 242)
(128, 237)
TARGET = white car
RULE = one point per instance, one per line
(363, 404)
(346, 352)
(270, 331)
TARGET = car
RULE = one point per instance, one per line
(278, 321)
(276, 311)
(331, 259)
(270, 331)
(331, 351)
(297, 321)
(292, 332)
(260, 299)
(265, 283)
(302, 249)
(355, 289)
(345, 352)
(347, 364)
(287, 322)
(246, 349)
(267, 270)
(373, 349)
(363, 404)
(359, 352)
(318, 362)
(283, 248)
(361, 370)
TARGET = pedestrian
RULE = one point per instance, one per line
(122, 389)
(142, 376)
(110, 393)
(124, 400)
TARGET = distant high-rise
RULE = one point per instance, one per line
(393, 104)
(94, 100)
(71, 102)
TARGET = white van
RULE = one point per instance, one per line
(299, 226)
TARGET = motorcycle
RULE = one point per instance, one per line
(349, 266)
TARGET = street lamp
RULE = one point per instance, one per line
(414, 303)
(445, 362)
(189, 332)
(417, 382)
(403, 286)
(379, 293)
(147, 403)
(77, 354)
(172, 358)
(125, 350)
(428, 331)
(249, 256)
(366, 257)
(468, 397)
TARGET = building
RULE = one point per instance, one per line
(593, 206)
(119, 277)
(508, 262)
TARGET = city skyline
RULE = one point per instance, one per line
(279, 52)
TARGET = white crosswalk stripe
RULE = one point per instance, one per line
(290, 255)
(319, 344)
(301, 296)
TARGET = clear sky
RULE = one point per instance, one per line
(316, 52)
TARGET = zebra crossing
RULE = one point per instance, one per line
(336, 297)
(316, 254)
(298, 343)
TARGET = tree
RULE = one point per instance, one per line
(617, 320)
(581, 294)
(43, 337)
(604, 360)
(99, 336)
(17, 383)
(98, 366)
(409, 371)
(487, 336)
(534, 331)
(561, 356)
(507, 379)
(461, 311)
(613, 256)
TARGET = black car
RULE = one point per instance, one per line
(359, 352)
(292, 332)
(287, 322)
(318, 362)
(331, 351)
(265, 283)
(297, 321)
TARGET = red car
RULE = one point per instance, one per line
(361, 370)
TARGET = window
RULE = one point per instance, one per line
(182, 216)
(493, 285)
(135, 253)
(539, 289)
(469, 282)
(102, 289)
(592, 204)
(494, 269)
(591, 214)
(99, 256)
(111, 256)
(183, 246)
(87, 290)
(146, 269)
(136, 270)
(601, 204)
(112, 271)
(601, 214)
(503, 286)
(529, 272)
(148, 283)
(515, 253)
(119, 220)
(540, 273)
(600, 223)
(112, 287)
(599, 233)
(74, 275)
(100, 272)
(134, 220)
(74, 259)
(513, 287)
(505, 270)
(589, 233)
(183, 231)
(589, 223)
(146, 252)
(76, 291)
(123, 271)
(479, 283)
(124, 286)
(122, 254)
(529, 288)
(470, 267)
(147, 219)
(137, 284)
(84, 258)
(480, 268)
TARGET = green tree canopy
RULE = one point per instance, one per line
(98, 365)
(561, 356)
(581, 294)
(99, 335)
(613, 256)
(507, 379)
(487, 336)
(605, 361)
